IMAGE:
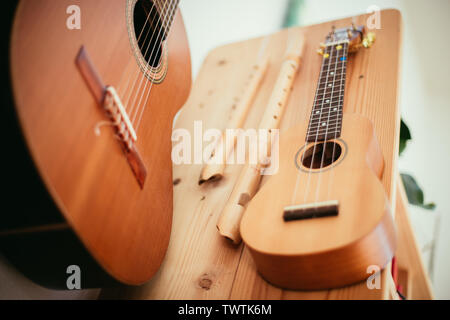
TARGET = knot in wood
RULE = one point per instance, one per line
(205, 282)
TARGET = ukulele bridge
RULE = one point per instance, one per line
(311, 210)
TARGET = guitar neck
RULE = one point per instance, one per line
(326, 116)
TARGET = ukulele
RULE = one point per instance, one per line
(96, 85)
(324, 218)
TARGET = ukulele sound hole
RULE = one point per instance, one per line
(149, 31)
(321, 155)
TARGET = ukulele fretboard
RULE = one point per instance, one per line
(326, 115)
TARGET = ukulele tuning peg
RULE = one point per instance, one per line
(350, 33)
(369, 40)
(320, 52)
(354, 24)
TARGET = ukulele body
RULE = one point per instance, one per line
(331, 251)
(94, 200)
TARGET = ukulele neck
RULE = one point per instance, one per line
(326, 116)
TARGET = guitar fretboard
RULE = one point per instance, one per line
(326, 116)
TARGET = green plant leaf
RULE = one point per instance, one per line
(405, 135)
(292, 17)
(414, 192)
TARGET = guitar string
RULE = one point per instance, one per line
(294, 194)
(119, 85)
(166, 26)
(136, 106)
(129, 81)
(317, 130)
(343, 78)
(127, 100)
(324, 148)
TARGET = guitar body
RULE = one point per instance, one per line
(101, 206)
(323, 252)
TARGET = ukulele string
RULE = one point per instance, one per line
(132, 90)
(329, 109)
(119, 85)
(319, 123)
(167, 26)
(343, 77)
(304, 148)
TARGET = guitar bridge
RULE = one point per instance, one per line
(119, 116)
(107, 97)
(311, 210)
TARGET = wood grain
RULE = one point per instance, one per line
(250, 176)
(199, 263)
(214, 170)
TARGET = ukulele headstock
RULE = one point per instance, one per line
(356, 38)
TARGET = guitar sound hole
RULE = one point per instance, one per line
(315, 158)
(149, 31)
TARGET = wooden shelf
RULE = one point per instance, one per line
(199, 263)
(412, 276)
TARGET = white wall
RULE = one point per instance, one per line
(211, 23)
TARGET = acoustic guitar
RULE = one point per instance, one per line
(96, 86)
(324, 218)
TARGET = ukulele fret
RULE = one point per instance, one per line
(326, 115)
